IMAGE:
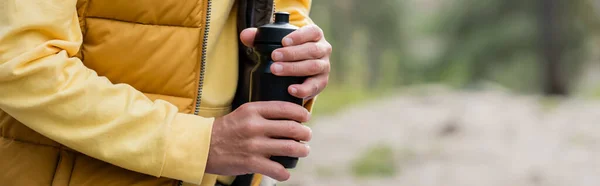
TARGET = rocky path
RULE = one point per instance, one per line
(460, 139)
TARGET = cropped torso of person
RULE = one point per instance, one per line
(176, 59)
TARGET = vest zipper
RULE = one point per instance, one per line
(203, 58)
(202, 62)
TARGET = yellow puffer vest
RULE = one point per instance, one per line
(116, 92)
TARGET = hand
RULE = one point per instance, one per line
(243, 141)
(305, 53)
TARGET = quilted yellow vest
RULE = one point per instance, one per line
(182, 52)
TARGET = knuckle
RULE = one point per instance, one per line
(304, 115)
(247, 107)
(245, 128)
(316, 66)
(325, 49)
(288, 149)
(293, 54)
(299, 113)
(316, 30)
(305, 90)
(253, 162)
(327, 67)
(323, 65)
(290, 108)
(283, 107)
(294, 68)
(316, 50)
(306, 29)
(293, 130)
(297, 38)
(253, 146)
(251, 127)
(328, 47)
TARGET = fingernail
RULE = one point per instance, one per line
(288, 41)
(277, 56)
(277, 68)
(293, 90)
(307, 128)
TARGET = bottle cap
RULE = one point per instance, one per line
(275, 32)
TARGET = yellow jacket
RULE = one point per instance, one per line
(109, 92)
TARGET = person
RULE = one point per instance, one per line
(140, 92)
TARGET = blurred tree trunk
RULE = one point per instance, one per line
(339, 66)
(373, 64)
(551, 49)
(341, 28)
(342, 33)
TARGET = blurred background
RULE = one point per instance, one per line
(457, 92)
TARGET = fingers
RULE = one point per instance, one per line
(283, 147)
(301, 69)
(269, 168)
(278, 110)
(309, 33)
(305, 51)
(284, 110)
(287, 129)
(247, 36)
(312, 86)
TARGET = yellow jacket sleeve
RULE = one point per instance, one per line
(46, 88)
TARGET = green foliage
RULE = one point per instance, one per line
(500, 41)
(378, 161)
(325, 172)
(385, 44)
(549, 103)
(596, 93)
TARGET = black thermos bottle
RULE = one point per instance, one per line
(265, 86)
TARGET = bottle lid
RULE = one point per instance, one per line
(275, 32)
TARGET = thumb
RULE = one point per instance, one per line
(247, 36)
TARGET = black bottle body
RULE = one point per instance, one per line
(269, 87)
(266, 86)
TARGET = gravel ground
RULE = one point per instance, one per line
(460, 139)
